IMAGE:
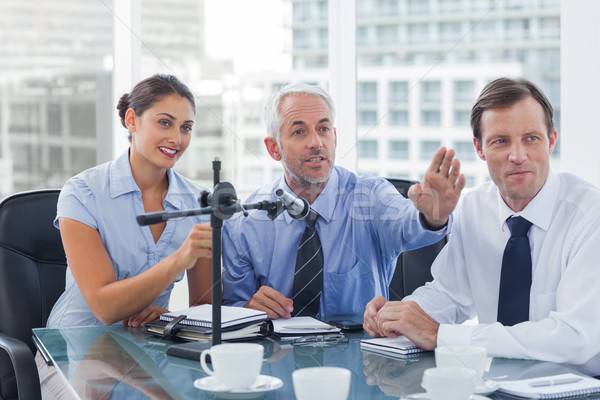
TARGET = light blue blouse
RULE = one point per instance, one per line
(107, 198)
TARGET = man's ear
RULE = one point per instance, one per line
(273, 148)
(130, 120)
(553, 138)
(478, 148)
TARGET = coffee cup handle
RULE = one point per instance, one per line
(203, 362)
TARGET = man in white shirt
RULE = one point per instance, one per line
(514, 134)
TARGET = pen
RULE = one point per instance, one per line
(324, 328)
(553, 382)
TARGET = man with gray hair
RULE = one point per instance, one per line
(345, 253)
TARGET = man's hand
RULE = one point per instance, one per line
(270, 300)
(407, 318)
(439, 192)
(370, 317)
(148, 314)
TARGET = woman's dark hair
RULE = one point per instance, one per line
(503, 93)
(149, 91)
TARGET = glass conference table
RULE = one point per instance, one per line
(118, 362)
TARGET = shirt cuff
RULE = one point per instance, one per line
(454, 335)
(444, 230)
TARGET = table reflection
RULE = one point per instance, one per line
(396, 377)
(115, 367)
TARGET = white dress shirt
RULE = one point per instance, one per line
(564, 310)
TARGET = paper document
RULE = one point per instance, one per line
(302, 326)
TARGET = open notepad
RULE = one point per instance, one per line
(551, 387)
(202, 316)
(390, 346)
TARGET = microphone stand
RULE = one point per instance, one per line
(221, 204)
(216, 224)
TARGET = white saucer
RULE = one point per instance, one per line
(263, 383)
(425, 396)
(488, 387)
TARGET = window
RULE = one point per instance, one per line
(483, 31)
(322, 11)
(461, 118)
(254, 176)
(550, 28)
(398, 118)
(431, 118)
(367, 149)
(418, 6)
(362, 36)
(450, 5)
(398, 93)
(82, 119)
(551, 61)
(301, 12)
(431, 92)
(398, 150)
(323, 38)
(82, 159)
(54, 119)
(388, 8)
(450, 32)
(517, 29)
(387, 34)
(367, 118)
(464, 91)
(465, 151)
(254, 147)
(25, 118)
(301, 39)
(418, 33)
(428, 149)
(367, 92)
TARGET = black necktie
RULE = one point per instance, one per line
(308, 276)
(515, 279)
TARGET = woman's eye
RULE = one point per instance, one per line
(164, 122)
(186, 128)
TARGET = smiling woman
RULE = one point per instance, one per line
(117, 270)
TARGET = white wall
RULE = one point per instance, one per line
(580, 88)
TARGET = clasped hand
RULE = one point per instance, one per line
(394, 318)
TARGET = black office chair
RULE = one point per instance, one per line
(413, 268)
(32, 277)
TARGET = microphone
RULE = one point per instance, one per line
(297, 207)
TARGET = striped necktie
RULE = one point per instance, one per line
(308, 275)
(515, 278)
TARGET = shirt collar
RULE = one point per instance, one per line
(122, 182)
(121, 177)
(540, 208)
(324, 204)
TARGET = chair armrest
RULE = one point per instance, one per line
(26, 373)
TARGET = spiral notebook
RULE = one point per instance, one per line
(399, 345)
(201, 316)
(551, 387)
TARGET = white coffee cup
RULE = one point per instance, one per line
(235, 365)
(449, 383)
(472, 357)
(322, 383)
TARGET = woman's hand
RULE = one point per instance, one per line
(148, 314)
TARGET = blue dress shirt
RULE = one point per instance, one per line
(365, 224)
(107, 199)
